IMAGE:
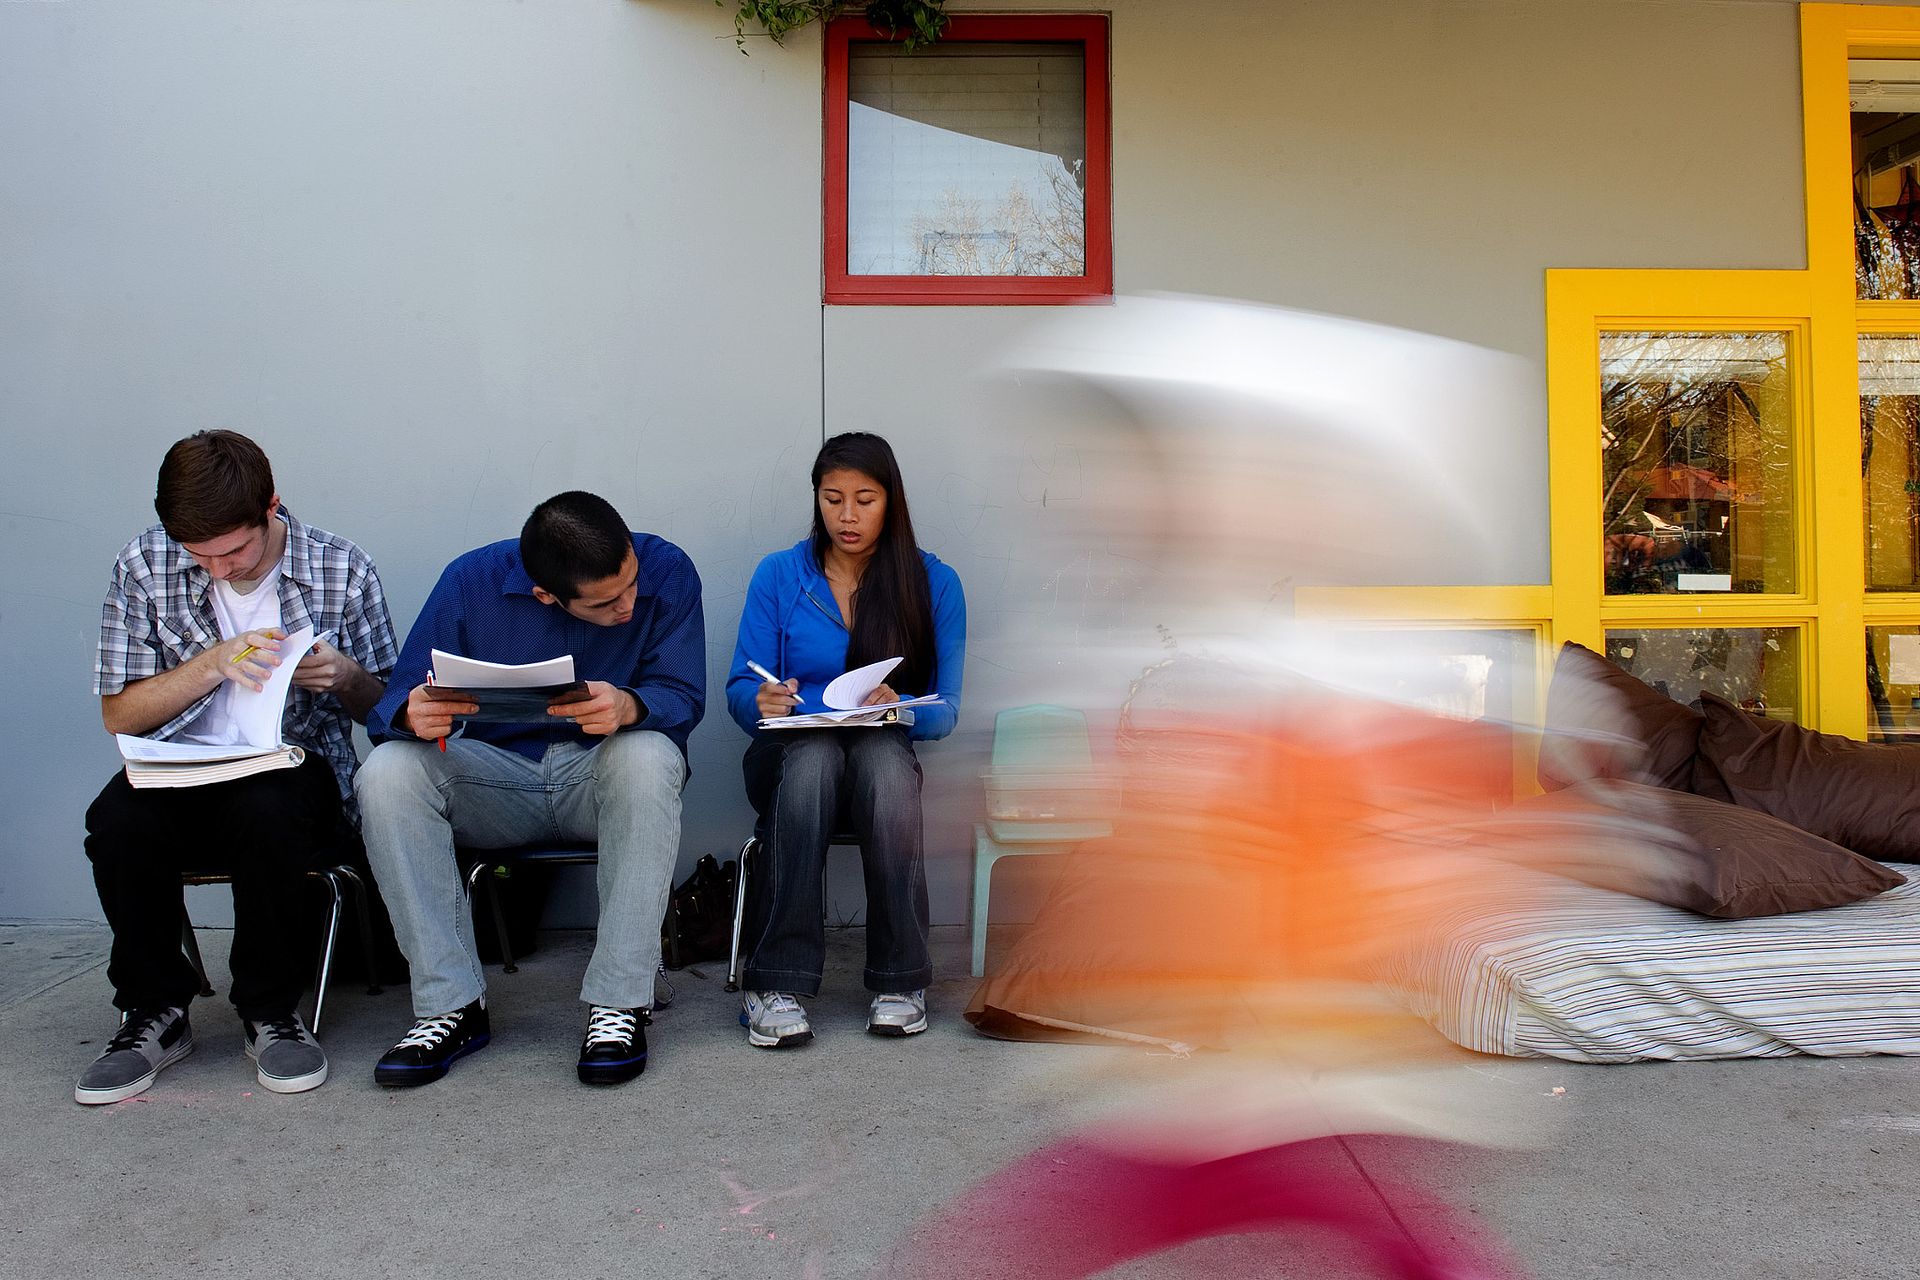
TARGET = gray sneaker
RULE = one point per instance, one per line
(898, 1013)
(774, 1020)
(289, 1058)
(148, 1041)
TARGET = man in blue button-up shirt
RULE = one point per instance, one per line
(607, 769)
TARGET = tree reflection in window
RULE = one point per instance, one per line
(1697, 463)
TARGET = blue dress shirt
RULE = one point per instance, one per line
(483, 607)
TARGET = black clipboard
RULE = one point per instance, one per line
(512, 706)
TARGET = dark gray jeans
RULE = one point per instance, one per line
(805, 784)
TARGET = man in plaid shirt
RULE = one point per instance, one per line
(199, 608)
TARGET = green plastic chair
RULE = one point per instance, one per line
(1044, 796)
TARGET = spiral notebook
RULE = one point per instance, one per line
(150, 762)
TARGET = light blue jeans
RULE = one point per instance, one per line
(624, 793)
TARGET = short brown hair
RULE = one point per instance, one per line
(211, 483)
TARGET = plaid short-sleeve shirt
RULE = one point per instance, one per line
(159, 613)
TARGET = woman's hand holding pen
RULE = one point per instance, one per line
(776, 699)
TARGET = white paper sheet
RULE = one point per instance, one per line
(862, 718)
(1903, 653)
(456, 672)
(258, 715)
(152, 751)
(850, 690)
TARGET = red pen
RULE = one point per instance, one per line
(442, 741)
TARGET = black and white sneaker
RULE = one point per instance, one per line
(148, 1042)
(615, 1050)
(424, 1053)
(287, 1057)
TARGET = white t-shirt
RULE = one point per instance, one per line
(237, 613)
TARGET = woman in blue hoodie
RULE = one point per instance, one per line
(857, 590)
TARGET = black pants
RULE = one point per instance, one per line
(267, 831)
(802, 783)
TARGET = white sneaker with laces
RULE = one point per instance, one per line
(774, 1020)
(898, 1013)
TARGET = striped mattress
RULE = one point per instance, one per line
(1595, 976)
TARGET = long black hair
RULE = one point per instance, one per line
(893, 613)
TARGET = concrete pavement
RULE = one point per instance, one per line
(722, 1161)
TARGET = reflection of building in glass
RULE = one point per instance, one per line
(967, 160)
(1697, 467)
(1890, 458)
(1756, 667)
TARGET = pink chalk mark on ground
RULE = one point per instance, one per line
(746, 1202)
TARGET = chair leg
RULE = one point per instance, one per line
(474, 873)
(739, 912)
(365, 912)
(191, 946)
(507, 963)
(660, 979)
(983, 860)
(326, 949)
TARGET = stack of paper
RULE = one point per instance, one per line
(506, 693)
(149, 762)
(152, 763)
(844, 698)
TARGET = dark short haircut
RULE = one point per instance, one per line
(571, 539)
(212, 483)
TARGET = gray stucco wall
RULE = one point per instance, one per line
(444, 258)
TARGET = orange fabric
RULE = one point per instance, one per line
(1259, 870)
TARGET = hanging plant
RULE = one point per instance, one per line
(916, 23)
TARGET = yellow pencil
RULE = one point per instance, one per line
(244, 654)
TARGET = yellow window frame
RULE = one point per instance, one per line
(1830, 605)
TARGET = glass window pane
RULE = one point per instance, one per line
(967, 159)
(1890, 459)
(1885, 95)
(1697, 463)
(1893, 683)
(1461, 674)
(1755, 667)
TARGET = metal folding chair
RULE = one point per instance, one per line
(489, 866)
(338, 880)
(747, 850)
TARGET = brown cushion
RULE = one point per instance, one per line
(1863, 795)
(1603, 723)
(1691, 851)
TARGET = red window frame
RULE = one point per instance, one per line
(1096, 285)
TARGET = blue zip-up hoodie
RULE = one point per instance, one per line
(792, 627)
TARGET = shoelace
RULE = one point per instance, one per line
(133, 1031)
(899, 997)
(429, 1032)
(609, 1026)
(279, 1029)
(780, 1002)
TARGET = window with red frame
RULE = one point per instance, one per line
(973, 170)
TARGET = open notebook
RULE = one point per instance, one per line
(844, 696)
(149, 762)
